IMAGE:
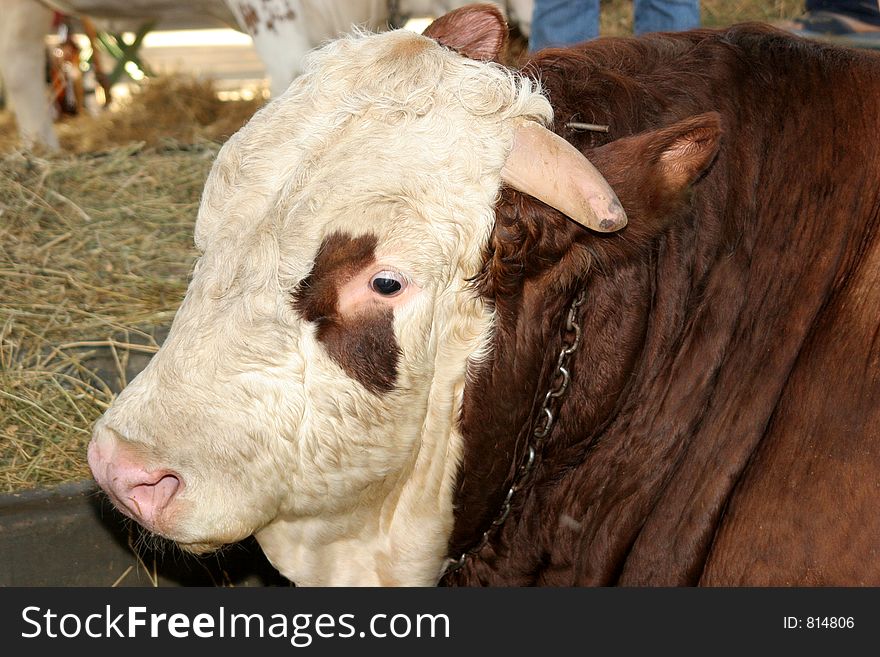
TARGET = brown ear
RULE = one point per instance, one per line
(685, 149)
(477, 31)
(652, 172)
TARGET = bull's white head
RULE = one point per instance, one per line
(310, 387)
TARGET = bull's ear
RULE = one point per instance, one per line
(652, 172)
(477, 31)
(684, 150)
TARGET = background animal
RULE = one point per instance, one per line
(283, 31)
(370, 345)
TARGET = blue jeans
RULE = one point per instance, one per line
(563, 22)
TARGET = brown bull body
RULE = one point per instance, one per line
(722, 426)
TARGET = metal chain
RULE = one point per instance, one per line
(546, 419)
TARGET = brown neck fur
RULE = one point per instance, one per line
(653, 384)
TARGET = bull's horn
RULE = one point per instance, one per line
(542, 164)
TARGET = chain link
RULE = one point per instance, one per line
(546, 419)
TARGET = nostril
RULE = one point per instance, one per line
(161, 478)
(121, 469)
(149, 498)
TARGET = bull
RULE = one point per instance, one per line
(420, 346)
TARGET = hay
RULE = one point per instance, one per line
(95, 253)
(163, 112)
(8, 132)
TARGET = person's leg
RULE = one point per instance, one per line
(665, 15)
(867, 11)
(563, 22)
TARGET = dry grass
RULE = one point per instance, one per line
(164, 112)
(95, 252)
(96, 249)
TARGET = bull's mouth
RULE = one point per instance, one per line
(203, 545)
(200, 549)
(159, 529)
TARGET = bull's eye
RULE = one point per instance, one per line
(387, 283)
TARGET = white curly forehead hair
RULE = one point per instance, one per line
(393, 117)
(397, 116)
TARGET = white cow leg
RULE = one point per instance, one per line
(22, 65)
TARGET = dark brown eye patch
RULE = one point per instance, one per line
(364, 344)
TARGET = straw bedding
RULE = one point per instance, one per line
(95, 254)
